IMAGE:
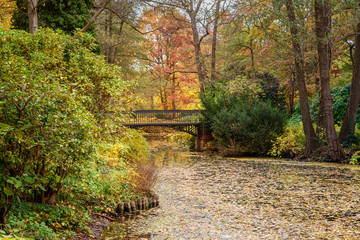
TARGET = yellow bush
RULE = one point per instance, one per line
(291, 143)
(121, 159)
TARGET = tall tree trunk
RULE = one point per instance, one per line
(192, 8)
(253, 75)
(2, 217)
(198, 60)
(348, 126)
(310, 136)
(323, 29)
(32, 15)
(173, 83)
(213, 45)
(291, 94)
(106, 43)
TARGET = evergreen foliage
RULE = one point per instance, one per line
(241, 124)
(340, 98)
(67, 15)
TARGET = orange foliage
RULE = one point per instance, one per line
(170, 54)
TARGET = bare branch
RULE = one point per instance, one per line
(205, 35)
(92, 20)
(344, 38)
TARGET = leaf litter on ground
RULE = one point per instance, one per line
(211, 197)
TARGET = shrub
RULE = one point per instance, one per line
(247, 127)
(185, 140)
(355, 158)
(113, 174)
(54, 93)
(146, 178)
(291, 143)
(47, 222)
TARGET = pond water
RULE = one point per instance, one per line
(211, 197)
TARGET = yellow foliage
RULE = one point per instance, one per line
(6, 12)
(290, 143)
(121, 158)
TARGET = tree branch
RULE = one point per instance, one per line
(92, 20)
(344, 38)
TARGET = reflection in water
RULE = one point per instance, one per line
(122, 230)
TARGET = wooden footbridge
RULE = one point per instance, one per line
(182, 120)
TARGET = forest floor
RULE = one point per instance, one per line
(210, 197)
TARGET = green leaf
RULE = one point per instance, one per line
(29, 179)
(40, 186)
(17, 183)
(7, 191)
(4, 128)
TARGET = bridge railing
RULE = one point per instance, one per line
(164, 116)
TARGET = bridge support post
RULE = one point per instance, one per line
(203, 137)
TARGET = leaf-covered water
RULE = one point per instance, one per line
(210, 197)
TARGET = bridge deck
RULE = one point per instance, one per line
(183, 120)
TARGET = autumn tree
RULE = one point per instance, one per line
(170, 56)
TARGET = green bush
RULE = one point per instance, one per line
(215, 99)
(247, 127)
(47, 222)
(54, 92)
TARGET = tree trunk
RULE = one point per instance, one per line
(348, 126)
(32, 14)
(199, 66)
(310, 136)
(173, 83)
(323, 29)
(291, 94)
(4, 211)
(2, 217)
(253, 75)
(192, 8)
(213, 45)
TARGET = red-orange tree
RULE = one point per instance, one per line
(170, 59)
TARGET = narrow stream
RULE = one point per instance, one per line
(211, 197)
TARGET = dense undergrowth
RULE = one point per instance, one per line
(292, 142)
(64, 153)
(244, 121)
(248, 119)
